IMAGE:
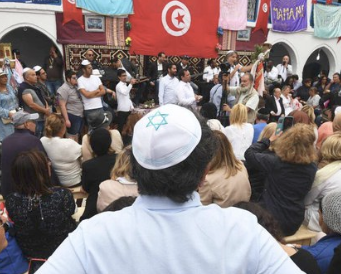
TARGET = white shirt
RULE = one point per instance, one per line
(271, 75)
(127, 72)
(65, 158)
(186, 94)
(288, 105)
(209, 72)
(156, 235)
(168, 90)
(240, 138)
(123, 97)
(90, 84)
(235, 80)
(314, 101)
(284, 71)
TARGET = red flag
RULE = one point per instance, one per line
(178, 28)
(263, 16)
(329, 2)
(314, 1)
(259, 79)
(71, 12)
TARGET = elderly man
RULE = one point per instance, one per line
(284, 69)
(167, 229)
(71, 105)
(32, 100)
(168, 87)
(246, 95)
(91, 90)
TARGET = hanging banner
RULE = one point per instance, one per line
(233, 14)
(48, 2)
(289, 16)
(327, 21)
(263, 16)
(107, 7)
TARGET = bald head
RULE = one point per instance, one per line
(30, 76)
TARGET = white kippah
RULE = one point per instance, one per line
(25, 70)
(331, 211)
(230, 51)
(37, 68)
(165, 137)
(85, 62)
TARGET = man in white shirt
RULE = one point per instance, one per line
(91, 90)
(185, 92)
(211, 70)
(270, 74)
(284, 69)
(246, 95)
(124, 104)
(167, 229)
(168, 87)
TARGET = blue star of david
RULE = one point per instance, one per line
(157, 120)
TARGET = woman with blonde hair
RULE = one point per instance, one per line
(227, 181)
(290, 172)
(121, 184)
(64, 153)
(288, 101)
(239, 133)
(309, 110)
(268, 131)
(327, 179)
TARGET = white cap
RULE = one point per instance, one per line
(2, 72)
(37, 68)
(165, 137)
(337, 110)
(25, 70)
(85, 62)
(96, 73)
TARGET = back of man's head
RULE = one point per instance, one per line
(171, 151)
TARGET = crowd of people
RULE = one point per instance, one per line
(211, 181)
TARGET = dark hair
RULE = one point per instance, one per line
(100, 141)
(170, 65)
(38, 72)
(30, 173)
(307, 80)
(69, 73)
(209, 62)
(177, 182)
(182, 72)
(295, 76)
(120, 203)
(264, 218)
(160, 54)
(338, 75)
(261, 116)
(120, 72)
(209, 111)
(114, 60)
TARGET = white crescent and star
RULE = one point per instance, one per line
(176, 18)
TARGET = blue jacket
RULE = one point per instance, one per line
(323, 250)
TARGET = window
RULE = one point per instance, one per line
(252, 8)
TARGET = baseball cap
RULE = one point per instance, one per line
(2, 72)
(101, 120)
(165, 137)
(21, 117)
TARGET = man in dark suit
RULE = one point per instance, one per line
(155, 71)
(275, 105)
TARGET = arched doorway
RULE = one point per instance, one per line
(34, 45)
(280, 49)
(316, 62)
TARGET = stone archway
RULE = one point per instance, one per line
(279, 49)
(322, 58)
(33, 43)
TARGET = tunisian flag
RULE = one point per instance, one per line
(186, 27)
(263, 16)
(71, 12)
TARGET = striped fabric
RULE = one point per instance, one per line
(114, 30)
(229, 40)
